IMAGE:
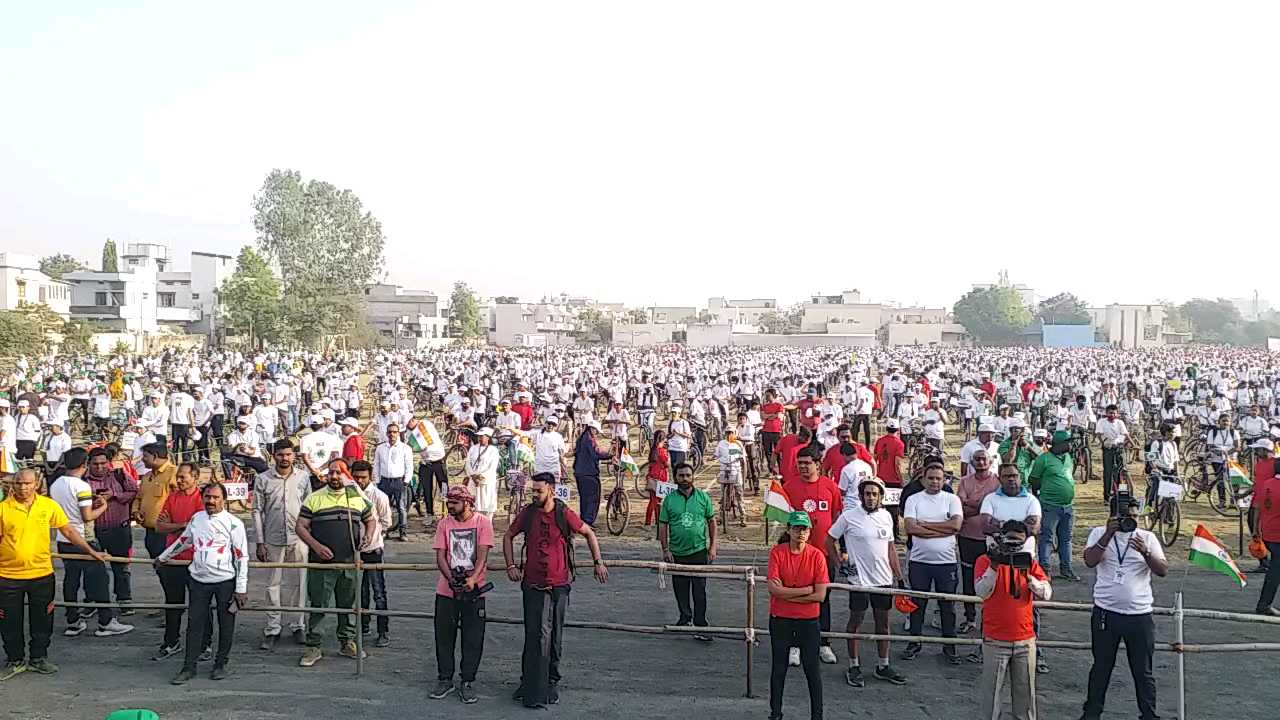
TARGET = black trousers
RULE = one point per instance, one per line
(863, 422)
(181, 439)
(374, 582)
(1272, 581)
(769, 441)
(1112, 462)
(1138, 632)
(432, 477)
(543, 640)
(452, 615)
(689, 588)
(938, 578)
(784, 634)
(198, 623)
(588, 497)
(394, 488)
(202, 445)
(118, 542)
(94, 577)
(27, 605)
(174, 580)
(215, 429)
(970, 551)
(26, 449)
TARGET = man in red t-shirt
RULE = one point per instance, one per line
(1265, 514)
(1008, 629)
(808, 409)
(353, 441)
(833, 461)
(786, 451)
(522, 408)
(179, 507)
(820, 497)
(548, 526)
(772, 412)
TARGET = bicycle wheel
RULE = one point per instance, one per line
(619, 513)
(455, 460)
(1170, 522)
(1222, 498)
(514, 506)
(1080, 467)
(1088, 462)
(642, 486)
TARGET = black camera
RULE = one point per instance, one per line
(458, 583)
(1008, 551)
(1120, 511)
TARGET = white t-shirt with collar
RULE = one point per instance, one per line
(1124, 585)
(867, 537)
(939, 507)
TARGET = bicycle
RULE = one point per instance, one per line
(617, 512)
(455, 458)
(516, 483)
(731, 505)
(1165, 517)
(1081, 457)
(1222, 495)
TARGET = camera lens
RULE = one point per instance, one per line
(1128, 524)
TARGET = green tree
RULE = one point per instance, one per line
(55, 266)
(638, 316)
(20, 334)
(773, 322)
(464, 313)
(705, 317)
(1213, 321)
(506, 300)
(77, 336)
(110, 259)
(1062, 309)
(593, 326)
(993, 316)
(250, 299)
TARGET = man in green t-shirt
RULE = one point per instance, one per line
(1017, 449)
(1052, 480)
(687, 531)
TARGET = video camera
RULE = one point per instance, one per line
(1008, 551)
(458, 583)
(1123, 498)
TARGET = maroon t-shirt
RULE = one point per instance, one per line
(545, 564)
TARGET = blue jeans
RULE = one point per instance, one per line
(1056, 521)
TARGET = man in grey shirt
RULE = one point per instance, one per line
(277, 501)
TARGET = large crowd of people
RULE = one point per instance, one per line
(338, 450)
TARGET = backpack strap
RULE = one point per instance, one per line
(562, 522)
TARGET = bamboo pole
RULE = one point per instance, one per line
(1182, 670)
(748, 634)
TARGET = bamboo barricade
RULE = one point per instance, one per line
(749, 634)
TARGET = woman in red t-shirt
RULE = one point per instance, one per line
(797, 586)
(659, 471)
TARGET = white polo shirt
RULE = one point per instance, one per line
(867, 537)
(1123, 578)
(933, 508)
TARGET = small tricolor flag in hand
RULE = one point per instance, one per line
(1210, 554)
(777, 506)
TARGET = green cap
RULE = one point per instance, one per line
(1061, 436)
(133, 715)
(799, 518)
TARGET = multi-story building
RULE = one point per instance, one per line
(21, 282)
(744, 315)
(405, 318)
(1134, 326)
(672, 314)
(533, 324)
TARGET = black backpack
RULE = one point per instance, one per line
(524, 520)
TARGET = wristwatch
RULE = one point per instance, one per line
(597, 562)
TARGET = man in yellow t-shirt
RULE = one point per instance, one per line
(26, 574)
(153, 489)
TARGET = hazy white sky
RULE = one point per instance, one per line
(661, 152)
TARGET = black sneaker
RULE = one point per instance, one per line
(207, 654)
(443, 688)
(467, 694)
(183, 677)
(219, 673)
(853, 676)
(382, 641)
(127, 611)
(952, 658)
(913, 649)
(167, 651)
(889, 675)
(553, 695)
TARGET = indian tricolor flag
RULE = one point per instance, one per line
(1237, 474)
(777, 506)
(628, 463)
(1210, 554)
(417, 437)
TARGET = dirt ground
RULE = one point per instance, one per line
(614, 674)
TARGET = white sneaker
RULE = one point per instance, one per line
(793, 657)
(75, 628)
(826, 654)
(115, 627)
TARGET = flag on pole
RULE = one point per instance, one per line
(1237, 474)
(418, 438)
(777, 506)
(1210, 554)
(628, 464)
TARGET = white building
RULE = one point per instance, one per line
(1134, 326)
(407, 318)
(22, 282)
(515, 323)
(743, 315)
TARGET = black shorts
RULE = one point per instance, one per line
(858, 601)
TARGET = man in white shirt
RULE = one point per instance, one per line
(26, 431)
(933, 518)
(482, 473)
(155, 417)
(619, 422)
(864, 402)
(1124, 563)
(870, 560)
(679, 435)
(548, 450)
(180, 406)
(374, 582)
(219, 576)
(319, 447)
(984, 441)
(1114, 436)
(393, 468)
(432, 476)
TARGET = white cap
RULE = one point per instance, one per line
(55, 423)
(315, 420)
(595, 424)
(1016, 423)
(328, 414)
(24, 404)
(1040, 433)
(349, 422)
(485, 431)
(553, 419)
(1263, 444)
(242, 420)
(986, 427)
(892, 424)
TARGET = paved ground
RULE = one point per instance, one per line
(609, 673)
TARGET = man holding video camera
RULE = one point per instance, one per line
(1008, 577)
(1124, 559)
(462, 543)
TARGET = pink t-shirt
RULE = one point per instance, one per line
(462, 540)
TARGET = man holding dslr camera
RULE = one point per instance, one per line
(1008, 578)
(1124, 559)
